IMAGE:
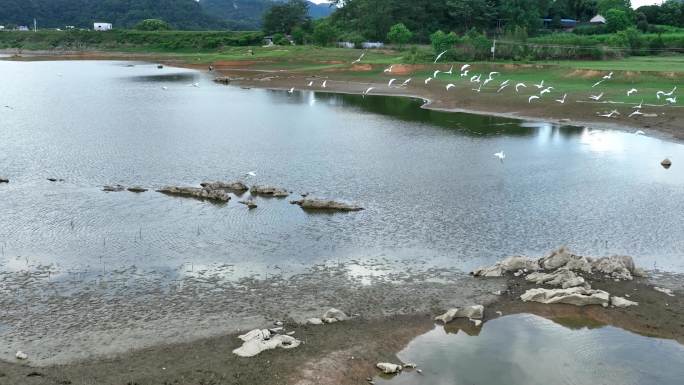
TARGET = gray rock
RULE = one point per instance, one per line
(621, 302)
(137, 189)
(563, 258)
(314, 321)
(472, 312)
(620, 267)
(666, 163)
(236, 186)
(4, 180)
(269, 191)
(114, 188)
(325, 204)
(196, 192)
(250, 203)
(562, 277)
(509, 264)
(578, 296)
(334, 314)
(258, 340)
(389, 368)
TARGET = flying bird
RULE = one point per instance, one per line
(325, 82)
(451, 70)
(638, 106)
(610, 114)
(531, 98)
(517, 86)
(427, 80)
(639, 132)
(367, 91)
(597, 83)
(632, 91)
(311, 83)
(662, 93)
(608, 77)
(440, 56)
(389, 69)
(478, 89)
(250, 173)
(491, 74)
(475, 78)
(487, 81)
(465, 67)
(406, 82)
(389, 84)
(435, 74)
(596, 97)
(291, 90)
(449, 86)
(562, 100)
(465, 73)
(672, 100)
(540, 85)
(637, 112)
(501, 88)
(546, 90)
(359, 59)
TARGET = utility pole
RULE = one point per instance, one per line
(35, 25)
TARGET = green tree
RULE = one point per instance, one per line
(399, 34)
(617, 20)
(153, 25)
(471, 13)
(284, 18)
(324, 33)
(606, 5)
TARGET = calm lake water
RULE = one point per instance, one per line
(530, 350)
(433, 191)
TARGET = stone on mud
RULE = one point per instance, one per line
(334, 315)
(325, 204)
(563, 258)
(258, 340)
(578, 296)
(269, 191)
(620, 267)
(509, 264)
(562, 277)
(389, 368)
(314, 321)
(472, 312)
(21, 355)
(622, 302)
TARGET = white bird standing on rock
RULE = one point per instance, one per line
(531, 98)
(517, 86)
(632, 91)
(596, 97)
(562, 100)
(440, 56)
(449, 86)
(389, 84)
(500, 155)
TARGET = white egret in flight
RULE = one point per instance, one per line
(596, 97)
(632, 91)
(449, 86)
(517, 86)
(540, 85)
(440, 56)
(500, 155)
(389, 84)
(562, 100)
(359, 59)
(662, 93)
(637, 112)
(427, 80)
(531, 98)
(406, 82)
(608, 77)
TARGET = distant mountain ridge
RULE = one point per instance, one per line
(181, 14)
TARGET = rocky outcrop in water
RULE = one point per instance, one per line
(475, 312)
(269, 191)
(666, 163)
(389, 368)
(325, 204)
(137, 189)
(196, 192)
(578, 296)
(250, 203)
(258, 340)
(113, 188)
(4, 180)
(236, 186)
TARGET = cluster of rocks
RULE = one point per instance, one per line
(325, 204)
(258, 340)
(118, 188)
(389, 368)
(563, 269)
(269, 191)
(196, 192)
(331, 316)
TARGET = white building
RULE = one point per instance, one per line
(598, 19)
(102, 26)
(22, 28)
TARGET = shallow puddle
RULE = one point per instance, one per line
(526, 349)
